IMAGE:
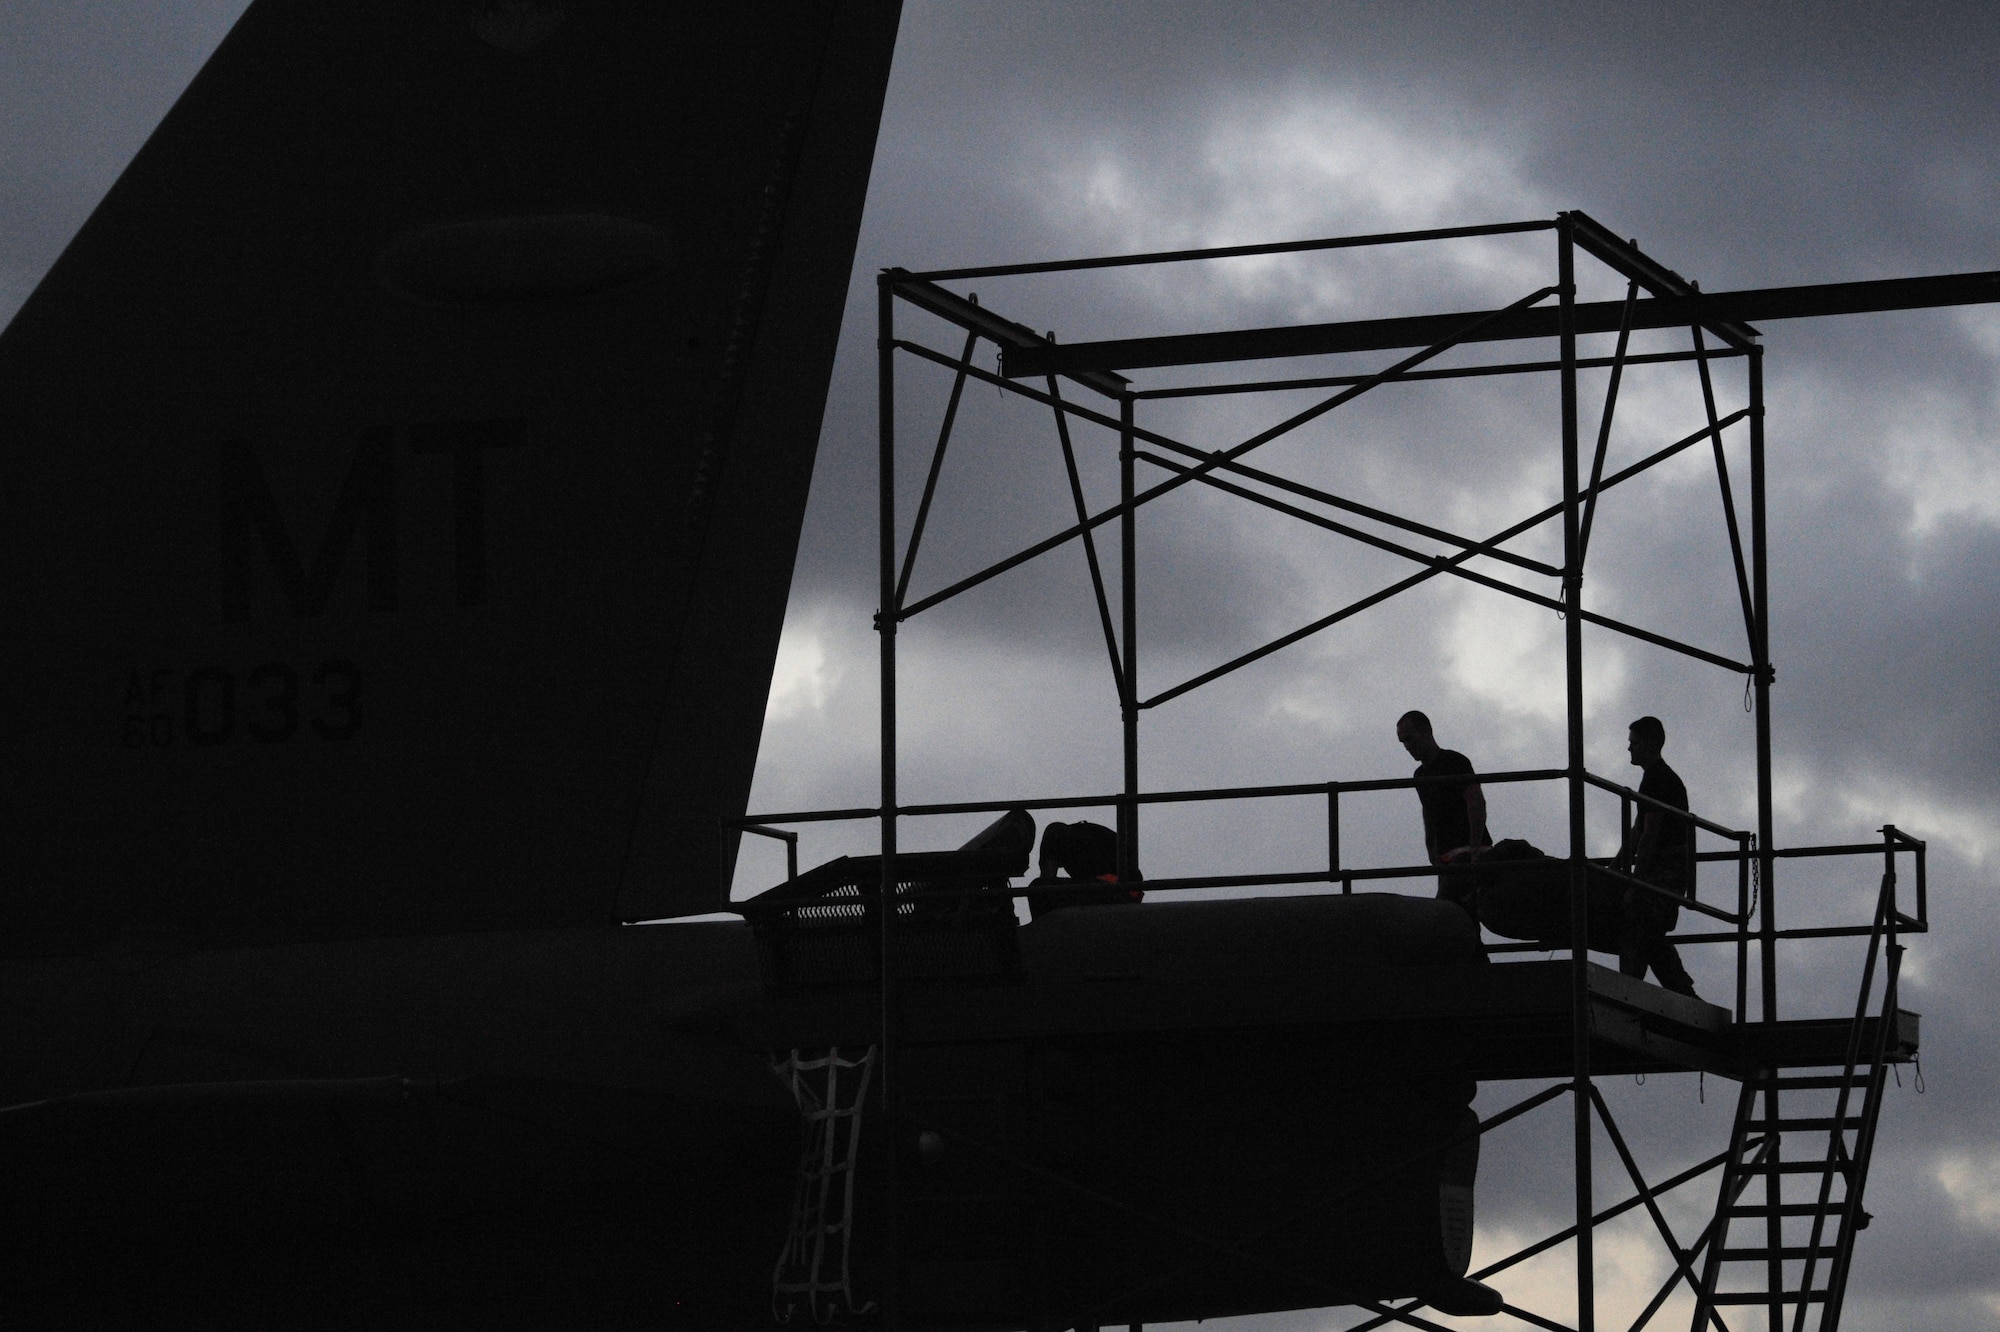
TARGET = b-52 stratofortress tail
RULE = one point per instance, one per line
(408, 460)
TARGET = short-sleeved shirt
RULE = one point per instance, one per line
(1446, 824)
(1673, 844)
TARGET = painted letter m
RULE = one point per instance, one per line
(367, 496)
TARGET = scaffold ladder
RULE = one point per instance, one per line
(1806, 1246)
(813, 1271)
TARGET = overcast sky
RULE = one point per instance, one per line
(1743, 145)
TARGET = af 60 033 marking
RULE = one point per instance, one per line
(268, 704)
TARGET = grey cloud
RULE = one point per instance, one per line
(1745, 147)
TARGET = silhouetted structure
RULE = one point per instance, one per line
(1585, 1020)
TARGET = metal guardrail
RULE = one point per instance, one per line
(1743, 853)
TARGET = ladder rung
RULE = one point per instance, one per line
(1759, 1297)
(1814, 1082)
(1783, 1251)
(1834, 1207)
(1803, 1125)
(1792, 1167)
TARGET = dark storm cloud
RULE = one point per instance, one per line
(1778, 145)
(1745, 146)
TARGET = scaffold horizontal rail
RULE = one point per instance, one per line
(1257, 344)
(1765, 1297)
(1233, 251)
(1786, 1209)
(1787, 1167)
(1765, 1254)
(1820, 1124)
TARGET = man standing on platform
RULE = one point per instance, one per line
(1661, 852)
(1454, 806)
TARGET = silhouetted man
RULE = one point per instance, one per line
(1454, 810)
(1661, 852)
(1085, 852)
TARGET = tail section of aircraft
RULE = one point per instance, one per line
(407, 463)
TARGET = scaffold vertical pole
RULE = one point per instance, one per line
(1128, 587)
(1760, 665)
(1743, 859)
(885, 625)
(1586, 1314)
(1333, 838)
(1767, 956)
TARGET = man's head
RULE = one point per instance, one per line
(1648, 737)
(1414, 730)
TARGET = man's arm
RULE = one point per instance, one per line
(1475, 814)
(1646, 837)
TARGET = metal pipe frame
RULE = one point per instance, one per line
(1128, 585)
(885, 625)
(1646, 1195)
(1579, 894)
(1435, 565)
(1461, 372)
(1257, 441)
(1719, 312)
(1671, 301)
(789, 838)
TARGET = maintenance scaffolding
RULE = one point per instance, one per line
(1802, 1079)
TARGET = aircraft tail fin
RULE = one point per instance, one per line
(408, 462)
